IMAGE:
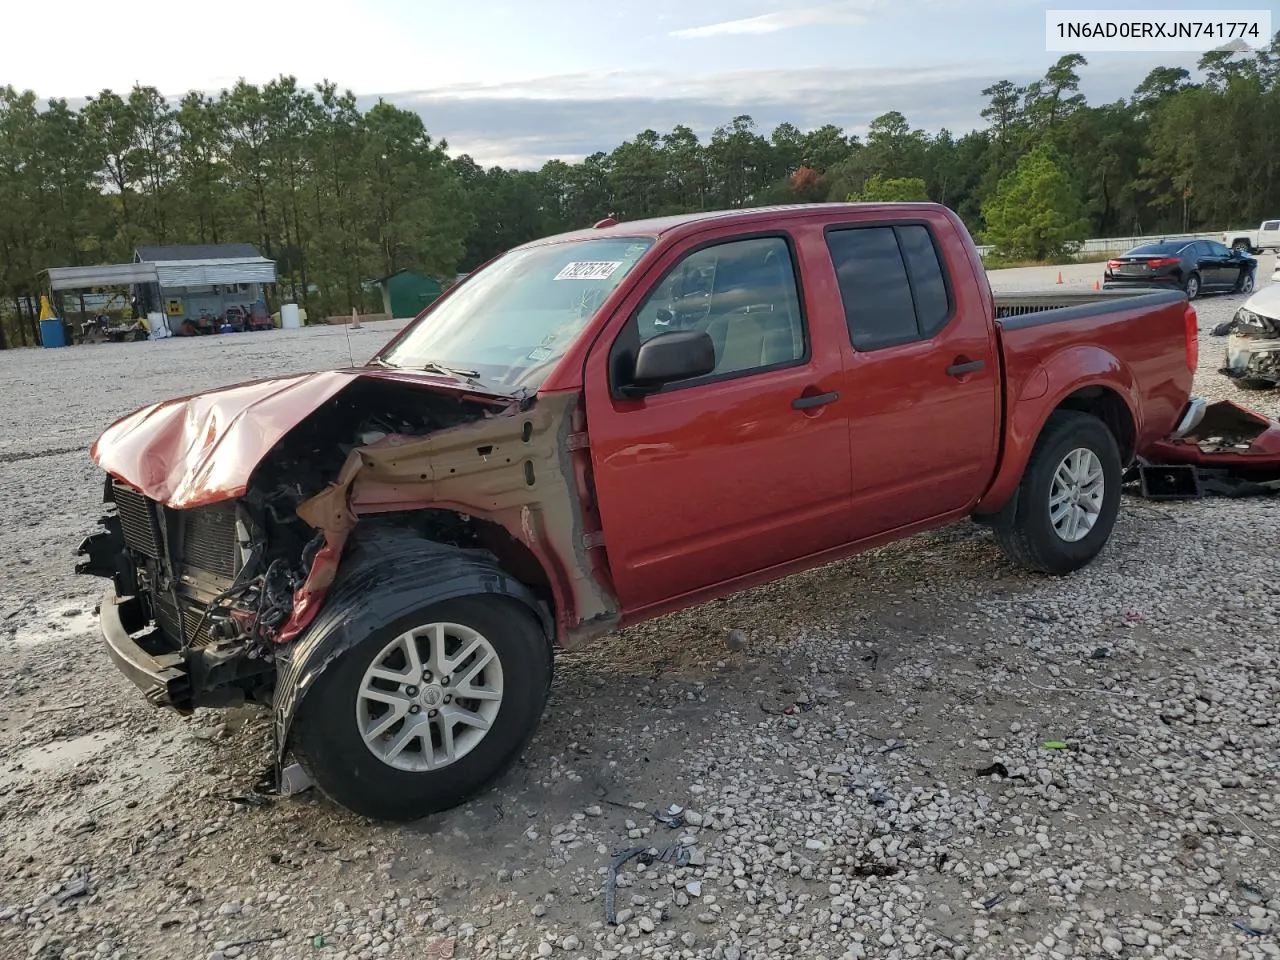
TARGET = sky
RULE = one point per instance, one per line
(518, 83)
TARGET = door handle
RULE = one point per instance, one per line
(966, 366)
(816, 400)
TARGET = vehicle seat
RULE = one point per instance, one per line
(752, 322)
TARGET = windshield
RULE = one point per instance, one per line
(508, 325)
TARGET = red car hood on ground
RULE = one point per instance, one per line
(198, 450)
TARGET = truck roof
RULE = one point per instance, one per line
(690, 222)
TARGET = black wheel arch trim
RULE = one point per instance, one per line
(382, 579)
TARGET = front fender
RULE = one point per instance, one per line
(1041, 393)
(383, 578)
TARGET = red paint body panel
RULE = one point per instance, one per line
(1263, 452)
(1136, 353)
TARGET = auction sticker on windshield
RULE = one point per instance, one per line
(588, 270)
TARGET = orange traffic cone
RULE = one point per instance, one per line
(1059, 276)
(355, 319)
(1097, 284)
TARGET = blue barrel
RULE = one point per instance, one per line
(52, 333)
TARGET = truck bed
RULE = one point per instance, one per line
(1117, 332)
(1037, 301)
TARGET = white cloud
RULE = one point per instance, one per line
(828, 14)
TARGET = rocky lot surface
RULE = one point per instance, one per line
(919, 752)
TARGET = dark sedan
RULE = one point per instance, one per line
(1196, 266)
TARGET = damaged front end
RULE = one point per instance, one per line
(1253, 348)
(195, 598)
(230, 512)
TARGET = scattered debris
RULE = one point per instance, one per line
(736, 641)
(250, 798)
(993, 901)
(676, 854)
(77, 886)
(1252, 892)
(619, 859)
(1231, 451)
(1248, 928)
(15, 611)
(270, 937)
(1055, 745)
(294, 780)
(441, 949)
(998, 769)
(672, 820)
(874, 870)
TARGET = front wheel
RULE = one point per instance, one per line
(427, 710)
(1246, 283)
(1068, 499)
(1192, 286)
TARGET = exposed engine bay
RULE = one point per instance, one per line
(216, 583)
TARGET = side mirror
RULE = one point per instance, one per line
(672, 357)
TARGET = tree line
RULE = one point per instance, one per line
(338, 196)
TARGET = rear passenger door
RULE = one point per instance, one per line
(1217, 267)
(925, 421)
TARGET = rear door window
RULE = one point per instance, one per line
(1271, 225)
(892, 284)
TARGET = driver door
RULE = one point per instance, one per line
(724, 476)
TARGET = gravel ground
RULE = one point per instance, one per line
(917, 752)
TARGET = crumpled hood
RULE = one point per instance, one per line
(202, 449)
(1266, 301)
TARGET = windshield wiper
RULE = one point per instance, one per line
(432, 367)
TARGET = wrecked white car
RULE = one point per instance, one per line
(1253, 350)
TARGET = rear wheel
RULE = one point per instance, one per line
(427, 710)
(1192, 286)
(1242, 245)
(1068, 499)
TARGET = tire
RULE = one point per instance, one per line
(1192, 285)
(1242, 245)
(329, 745)
(1246, 284)
(1025, 531)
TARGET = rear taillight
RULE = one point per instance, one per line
(1159, 262)
(1193, 337)
(1113, 264)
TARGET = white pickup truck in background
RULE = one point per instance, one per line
(1266, 237)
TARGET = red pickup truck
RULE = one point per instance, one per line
(592, 430)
